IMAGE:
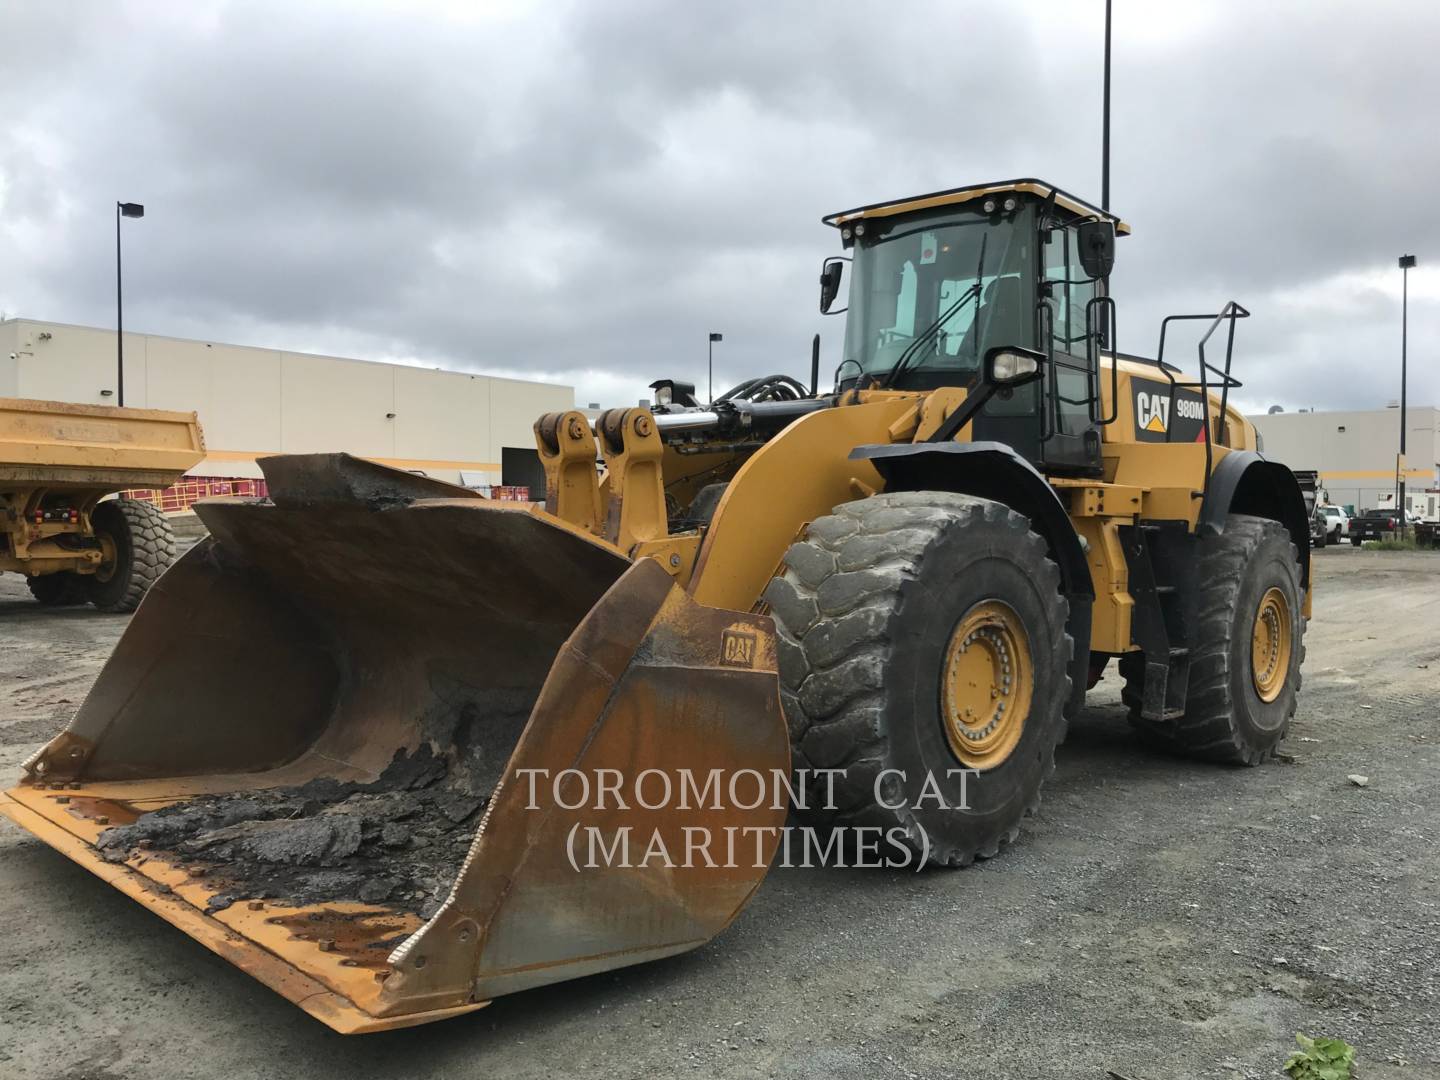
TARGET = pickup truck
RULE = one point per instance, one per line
(1374, 525)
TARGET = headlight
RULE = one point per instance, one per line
(664, 395)
(1009, 366)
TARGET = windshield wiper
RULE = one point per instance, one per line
(934, 328)
(924, 337)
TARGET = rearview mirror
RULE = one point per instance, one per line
(1010, 365)
(1097, 247)
(830, 275)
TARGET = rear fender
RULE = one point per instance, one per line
(1244, 482)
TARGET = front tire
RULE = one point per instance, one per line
(1247, 649)
(139, 546)
(905, 624)
(63, 589)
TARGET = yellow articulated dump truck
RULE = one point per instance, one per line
(58, 462)
(489, 746)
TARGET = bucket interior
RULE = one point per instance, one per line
(313, 707)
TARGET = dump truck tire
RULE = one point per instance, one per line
(65, 589)
(1248, 647)
(868, 611)
(144, 547)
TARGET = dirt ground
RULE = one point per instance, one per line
(1159, 918)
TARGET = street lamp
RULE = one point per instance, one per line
(1406, 262)
(714, 337)
(122, 209)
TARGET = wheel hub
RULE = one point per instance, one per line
(1270, 645)
(109, 557)
(987, 685)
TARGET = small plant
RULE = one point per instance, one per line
(1320, 1059)
(1399, 544)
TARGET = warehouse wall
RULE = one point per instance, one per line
(1355, 451)
(255, 401)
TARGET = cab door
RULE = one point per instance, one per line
(1070, 433)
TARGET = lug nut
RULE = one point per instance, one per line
(102, 820)
(62, 799)
(256, 905)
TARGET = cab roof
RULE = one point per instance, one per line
(957, 196)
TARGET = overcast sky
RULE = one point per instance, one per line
(581, 191)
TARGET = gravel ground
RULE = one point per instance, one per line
(1158, 918)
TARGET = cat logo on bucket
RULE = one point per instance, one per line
(1161, 417)
(737, 648)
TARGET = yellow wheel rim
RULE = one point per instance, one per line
(109, 558)
(987, 685)
(1270, 645)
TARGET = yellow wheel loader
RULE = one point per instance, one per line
(379, 741)
(58, 462)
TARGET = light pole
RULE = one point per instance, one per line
(122, 209)
(714, 337)
(1406, 262)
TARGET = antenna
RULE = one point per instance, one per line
(1105, 123)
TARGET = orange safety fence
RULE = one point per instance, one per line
(189, 489)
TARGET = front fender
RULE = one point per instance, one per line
(991, 470)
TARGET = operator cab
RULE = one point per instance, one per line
(940, 281)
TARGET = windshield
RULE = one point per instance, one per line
(962, 269)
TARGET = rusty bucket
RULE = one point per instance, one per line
(379, 742)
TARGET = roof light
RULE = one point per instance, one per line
(1010, 203)
(989, 206)
(845, 234)
(860, 229)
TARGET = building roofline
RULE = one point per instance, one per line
(17, 319)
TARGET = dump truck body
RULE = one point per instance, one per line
(57, 462)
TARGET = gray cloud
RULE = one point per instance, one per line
(583, 191)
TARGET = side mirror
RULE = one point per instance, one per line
(830, 275)
(1096, 240)
(1010, 365)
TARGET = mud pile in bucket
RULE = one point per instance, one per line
(398, 840)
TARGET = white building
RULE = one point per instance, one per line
(254, 402)
(1355, 452)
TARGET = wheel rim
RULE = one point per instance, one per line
(1270, 645)
(988, 682)
(109, 557)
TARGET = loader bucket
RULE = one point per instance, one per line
(333, 745)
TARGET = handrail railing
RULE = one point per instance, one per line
(1227, 314)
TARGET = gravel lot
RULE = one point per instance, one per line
(1158, 918)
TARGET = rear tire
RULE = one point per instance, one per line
(876, 610)
(63, 589)
(1237, 708)
(144, 546)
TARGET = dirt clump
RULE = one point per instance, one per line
(399, 840)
